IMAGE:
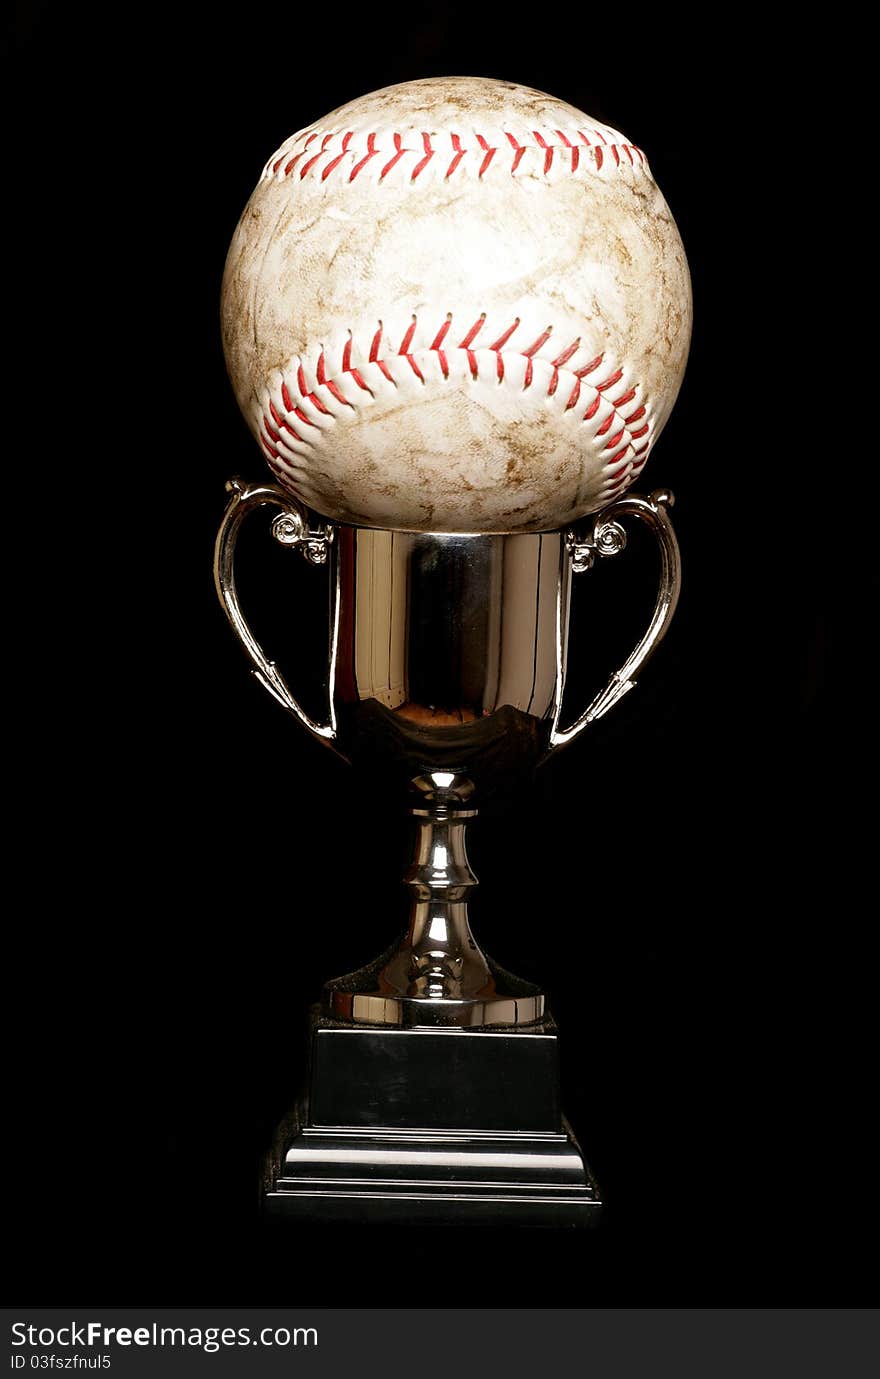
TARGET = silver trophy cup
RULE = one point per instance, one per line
(446, 671)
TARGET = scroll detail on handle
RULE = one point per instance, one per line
(608, 537)
(291, 529)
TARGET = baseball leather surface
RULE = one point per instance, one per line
(456, 305)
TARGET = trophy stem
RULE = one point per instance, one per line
(444, 959)
(437, 974)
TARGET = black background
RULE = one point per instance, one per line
(194, 867)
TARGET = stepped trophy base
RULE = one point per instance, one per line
(431, 1126)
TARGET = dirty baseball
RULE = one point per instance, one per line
(456, 305)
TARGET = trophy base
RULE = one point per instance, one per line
(431, 1126)
(423, 1177)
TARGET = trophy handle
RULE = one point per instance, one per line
(608, 538)
(290, 528)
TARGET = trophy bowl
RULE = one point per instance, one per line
(451, 469)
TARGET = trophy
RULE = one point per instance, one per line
(456, 315)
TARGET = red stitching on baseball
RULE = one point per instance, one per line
(564, 357)
(548, 151)
(359, 380)
(629, 468)
(610, 382)
(519, 151)
(290, 406)
(398, 140)
(338, 159)
(503, 339)
(599, 144)
(340, 396)
(407, 339)
(541, 340)
(459, 154)
(575, 151)
(429, 154)
(589, 368)
(473, 332)
(310, 164)
(442, 333)
(490, 154)
(370, 153)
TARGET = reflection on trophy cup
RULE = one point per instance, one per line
(456, 314)
(446, 669)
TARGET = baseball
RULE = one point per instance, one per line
(456, 305)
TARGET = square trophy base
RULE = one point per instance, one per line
(423, 1125)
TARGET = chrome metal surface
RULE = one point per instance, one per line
(445, 629)
(607, 538)
(447, 660)
(291, 529)
(386, 1176)
(437, 975)
(431, 1125)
